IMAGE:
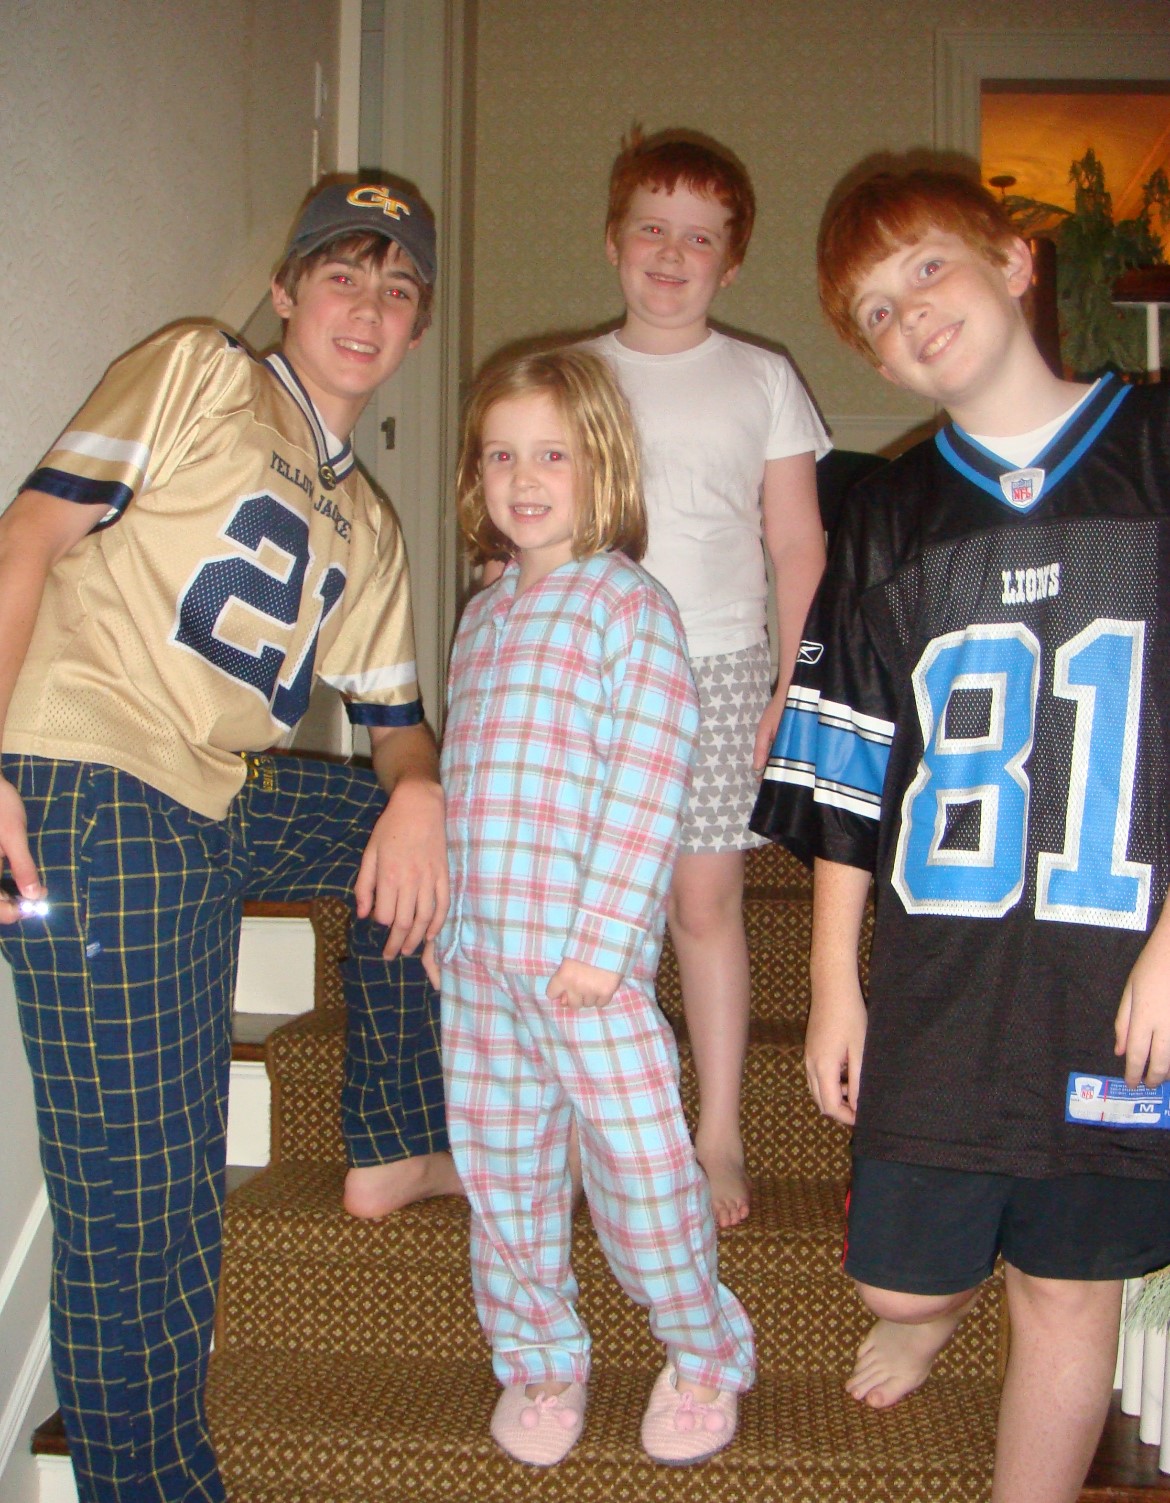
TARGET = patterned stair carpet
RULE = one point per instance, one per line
(349, 1367)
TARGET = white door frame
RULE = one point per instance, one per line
(423, 118)
(963, 59)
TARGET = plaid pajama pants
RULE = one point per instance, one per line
(125, 995)
(519, 1070)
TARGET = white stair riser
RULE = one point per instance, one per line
(249, 1115)
(55, 1480)
(276, 966)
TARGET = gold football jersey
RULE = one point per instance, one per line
(237, 552)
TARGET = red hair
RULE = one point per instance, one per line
(662, 161)
(888, 210)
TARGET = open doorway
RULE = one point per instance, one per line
(967, 61)
(1098, 147)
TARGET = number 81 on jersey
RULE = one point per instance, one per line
(973, 778)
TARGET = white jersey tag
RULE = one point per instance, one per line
(1106, 1101)
(1021, 488)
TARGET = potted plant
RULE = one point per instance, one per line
(1092, 252)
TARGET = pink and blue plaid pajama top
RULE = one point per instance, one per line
(571, 727)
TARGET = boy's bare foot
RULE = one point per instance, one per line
(375, 1190)
(731, 1190)
(895, 1359)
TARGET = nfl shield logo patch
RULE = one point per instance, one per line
(1021, 488)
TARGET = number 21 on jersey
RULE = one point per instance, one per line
(962, 845)
(270, 595)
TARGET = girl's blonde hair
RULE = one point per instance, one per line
(610, 510)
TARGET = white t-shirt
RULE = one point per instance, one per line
(1022, 448)
(708, 420)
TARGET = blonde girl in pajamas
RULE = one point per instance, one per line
(571, 727)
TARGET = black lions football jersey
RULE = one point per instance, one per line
(979, 716)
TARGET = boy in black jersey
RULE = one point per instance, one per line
(978, 720)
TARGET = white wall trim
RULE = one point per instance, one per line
(421, 127)
(963, 59)
(29, 1257)
(14, 1421)
(349, 82)
(37, 1218)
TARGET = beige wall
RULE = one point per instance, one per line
(801, 91)
(152, 154)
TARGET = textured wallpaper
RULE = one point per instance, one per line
(152, 154)
(801, 92)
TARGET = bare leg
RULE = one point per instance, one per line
(1057, 1387)
(706, 925)
(377, 1189)
(897, 1355)
(575, 1174)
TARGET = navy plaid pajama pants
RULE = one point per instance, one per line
(125, 995)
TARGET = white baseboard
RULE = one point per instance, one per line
(24, 1323)
(17, 1420)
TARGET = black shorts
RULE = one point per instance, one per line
(920, 1230)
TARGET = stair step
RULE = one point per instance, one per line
(772, 867)
(252, 1030)
(301, 1274)
(1123, 1471)
(783, 1131)
(418, 1431)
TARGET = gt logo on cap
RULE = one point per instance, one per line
(374, 197)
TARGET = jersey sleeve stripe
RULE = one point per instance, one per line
(373, 680)
(111, 494)
(849, 764)
(852, 800)
(831, 748)
(363, 714)
(99, 446)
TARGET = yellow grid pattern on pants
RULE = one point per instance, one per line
(520, 1069)
(125, 995)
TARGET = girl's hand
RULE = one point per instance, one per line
(767, 728)
(579, 985)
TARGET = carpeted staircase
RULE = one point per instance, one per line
(349, 1367)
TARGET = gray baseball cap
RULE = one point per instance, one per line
(348, 208)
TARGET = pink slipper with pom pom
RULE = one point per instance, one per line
(678, 1431)
(539, 1431)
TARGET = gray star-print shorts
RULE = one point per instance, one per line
(734, 690)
